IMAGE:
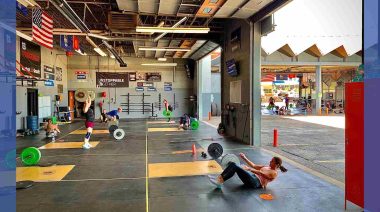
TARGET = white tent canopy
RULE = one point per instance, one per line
(328, 24)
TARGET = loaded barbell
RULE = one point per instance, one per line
(215, 150)
(82, 95)
(115, 131)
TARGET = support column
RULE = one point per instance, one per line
(318, 88)
(255, 88)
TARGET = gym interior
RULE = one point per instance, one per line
(177, 91)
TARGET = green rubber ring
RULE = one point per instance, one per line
(30, 156)
(194, 125)
(167, 113)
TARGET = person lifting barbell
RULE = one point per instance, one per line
(113, 114)
(252, 175)
(89, 123)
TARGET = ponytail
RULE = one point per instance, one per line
(278, 162)
(283, 169)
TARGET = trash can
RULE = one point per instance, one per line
(32, 123)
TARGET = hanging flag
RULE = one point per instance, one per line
(75, 43)
(67, 42)
(22, 8)
(42, 25)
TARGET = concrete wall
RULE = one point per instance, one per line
(216, 96)
(209, 85)
(182, 86)
(52, 58)
(242, 57)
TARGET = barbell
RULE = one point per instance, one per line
(82, 95)
(215, 150)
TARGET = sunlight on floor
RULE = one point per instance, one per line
(331, 121)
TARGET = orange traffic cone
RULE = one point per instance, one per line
(194, 149)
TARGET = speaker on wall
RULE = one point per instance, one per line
(189, 67)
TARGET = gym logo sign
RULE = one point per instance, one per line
(114, 80)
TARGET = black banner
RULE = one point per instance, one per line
(30, 58)
(109, 79)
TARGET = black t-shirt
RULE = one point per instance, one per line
(90, 116)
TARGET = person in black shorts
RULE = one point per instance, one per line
(90, 118)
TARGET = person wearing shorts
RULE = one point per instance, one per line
(89, 124)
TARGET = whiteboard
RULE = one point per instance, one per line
(44, 107)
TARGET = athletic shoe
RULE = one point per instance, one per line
(215, 181)
(86, 146)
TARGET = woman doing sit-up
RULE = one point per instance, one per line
(253, 175)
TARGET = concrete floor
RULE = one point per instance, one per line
(316, 142)
(112, 176)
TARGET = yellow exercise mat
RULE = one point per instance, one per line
(67, 145)
(43, 174)
(83, 132)
(172, 129)
(184, 169)
(161, 122)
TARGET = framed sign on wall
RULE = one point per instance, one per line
(153, 77)
(132, 76)
(49, 73)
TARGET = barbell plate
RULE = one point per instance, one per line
(167, 113)
(30, 156)
(81, 95)
(91, 94)
(194, 125)
(112, 129)
(215, 150)
(228, 158)
(119, 134)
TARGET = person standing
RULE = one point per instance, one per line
(89, 124)
(287, 101)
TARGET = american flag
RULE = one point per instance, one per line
(42, 28)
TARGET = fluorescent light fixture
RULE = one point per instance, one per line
(162, 59)
(173, 49)
(81, 52)
(100, 52)
(111, 56)
(23, 35)
(64, 8)
(174, 26)
(172, 30)
(160, 64)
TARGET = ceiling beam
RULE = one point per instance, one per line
(268, 10)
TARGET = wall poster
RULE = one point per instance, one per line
(30, 58)
(58, 74)
(153, 77)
